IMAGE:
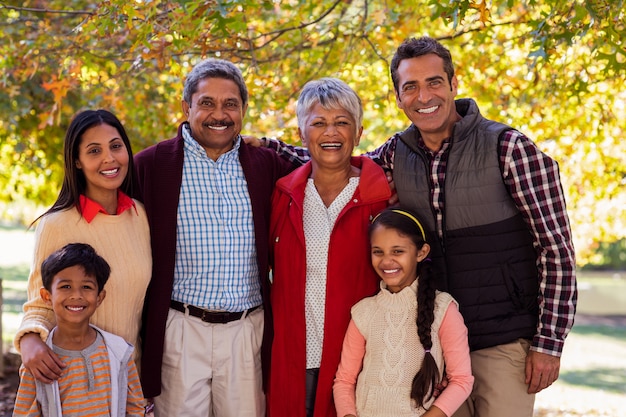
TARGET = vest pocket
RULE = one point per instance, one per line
(516, 292)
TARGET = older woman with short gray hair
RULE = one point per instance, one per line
(320, 249)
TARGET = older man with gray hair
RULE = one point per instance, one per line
(207, 195)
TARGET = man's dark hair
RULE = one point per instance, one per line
(416, 47)
(74, 254)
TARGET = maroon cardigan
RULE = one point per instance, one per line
(157, 182)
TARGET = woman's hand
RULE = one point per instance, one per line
(39, 359)
(393, 200)
(253, 140)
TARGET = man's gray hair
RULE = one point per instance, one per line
(214, 68)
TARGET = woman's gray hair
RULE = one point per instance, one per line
(330, 93)
(214, 68)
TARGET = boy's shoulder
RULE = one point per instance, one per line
(115, 343)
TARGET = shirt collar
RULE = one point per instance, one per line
(90, 208)
(444, 146)
(192, 145)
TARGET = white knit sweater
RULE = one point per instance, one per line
(393, 352)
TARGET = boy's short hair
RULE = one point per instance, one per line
(74, 254)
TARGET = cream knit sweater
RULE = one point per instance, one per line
(124, 241)
(393, 352)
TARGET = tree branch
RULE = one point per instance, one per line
(34, 10)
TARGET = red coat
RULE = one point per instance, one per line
(350, 278)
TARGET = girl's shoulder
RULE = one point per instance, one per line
(442, 296)
(443, 299)
(366, 304)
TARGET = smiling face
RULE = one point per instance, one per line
(330, 136)
(103, 158)
(427, 97)
(73, 295)
(395, 257)
(215, 115)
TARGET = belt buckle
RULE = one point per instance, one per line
(215, 316)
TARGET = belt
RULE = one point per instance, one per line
(210, 316)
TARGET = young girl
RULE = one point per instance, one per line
(387, 367)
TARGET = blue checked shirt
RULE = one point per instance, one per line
(216, 264)
(532, 179)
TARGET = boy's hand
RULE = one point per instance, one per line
(39, 359)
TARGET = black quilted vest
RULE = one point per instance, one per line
(487, 252)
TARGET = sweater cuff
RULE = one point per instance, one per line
(41, 329)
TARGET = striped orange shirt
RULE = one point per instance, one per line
(84, 386)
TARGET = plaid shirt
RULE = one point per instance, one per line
(216, 266)
(532, 179)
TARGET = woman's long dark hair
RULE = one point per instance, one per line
(74, 182)
(408, 224)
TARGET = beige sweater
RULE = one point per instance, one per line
(394, 353)
(124, 241)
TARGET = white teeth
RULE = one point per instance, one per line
(390, 271)
(110, 171)
(428, 110)
(330, 145)
(218, 127)
(75, 308)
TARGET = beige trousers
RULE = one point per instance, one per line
(499, 388)
(212, 370)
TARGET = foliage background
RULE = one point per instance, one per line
(551, 68)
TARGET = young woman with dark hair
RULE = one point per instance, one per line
(94, 207)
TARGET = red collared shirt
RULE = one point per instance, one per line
(90, 208)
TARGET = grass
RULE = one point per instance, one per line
(15, 251)
(618, 333)
(605, 379)
(14, 282)
(604, 367)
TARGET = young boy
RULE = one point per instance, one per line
(100, 377)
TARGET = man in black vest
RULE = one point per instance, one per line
(496, 204)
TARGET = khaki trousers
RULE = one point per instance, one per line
(499, 388)
(212, 369)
